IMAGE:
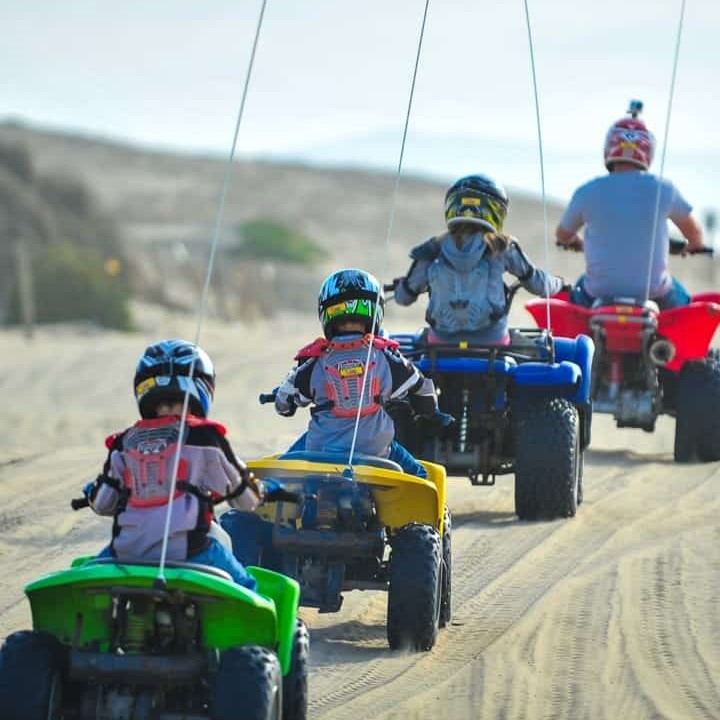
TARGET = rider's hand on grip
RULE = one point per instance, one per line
(274, 491)
(577, 244)
(89, 489)
(440, 419)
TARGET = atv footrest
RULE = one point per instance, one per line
(136, 669)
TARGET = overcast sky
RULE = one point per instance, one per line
(332, 79)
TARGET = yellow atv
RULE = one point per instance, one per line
(368, 526)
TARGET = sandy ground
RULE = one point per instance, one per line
(611, 614)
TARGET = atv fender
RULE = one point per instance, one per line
(400, 498)
(285, 593)
(579, 350)
(232, 615)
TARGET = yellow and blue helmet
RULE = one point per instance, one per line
(477, 200)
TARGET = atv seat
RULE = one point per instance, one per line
(341, 459)
(173, 564)
(649, 306)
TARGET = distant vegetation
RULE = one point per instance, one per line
(266, 240)
(77, 267)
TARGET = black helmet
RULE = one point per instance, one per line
(163, 375)
(478, 200)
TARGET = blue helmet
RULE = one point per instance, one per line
(350, 294)
(163, 375)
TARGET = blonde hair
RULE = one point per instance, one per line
(496, 242)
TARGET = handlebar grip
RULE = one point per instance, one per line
(265, 398)
(389, 287)
(284, 496)
(702, 251)
(79, 503)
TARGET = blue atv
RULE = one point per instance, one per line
(521, 408)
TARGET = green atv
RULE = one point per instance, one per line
(114, 641)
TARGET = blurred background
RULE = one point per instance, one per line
(117, 122)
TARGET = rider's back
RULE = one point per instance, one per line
(619, 212)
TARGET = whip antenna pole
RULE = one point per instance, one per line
(206, 287)
(391, 221)
(656, 216)
(541, 155)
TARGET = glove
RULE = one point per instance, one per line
(440, 419)
(272, 488)
(89, 490)
(290, 410)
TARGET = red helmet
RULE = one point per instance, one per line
(628, 140)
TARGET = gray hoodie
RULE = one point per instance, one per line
(466, 286)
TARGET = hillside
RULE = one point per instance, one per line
(160, 200)
(165, 205)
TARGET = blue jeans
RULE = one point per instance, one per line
(676, 296)
(215, 555)
(398, 454)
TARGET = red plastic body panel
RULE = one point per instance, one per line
(690, 328)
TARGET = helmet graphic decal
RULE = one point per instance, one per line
(350, 295)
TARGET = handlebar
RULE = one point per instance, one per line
(678, 246)
(265, 398)
(285, 496)
(281, 495)
(390, 287)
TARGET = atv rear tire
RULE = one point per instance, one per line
(295, 683)
(581, 475)
(697, 412)
(414, 595)
(248, 684)
(548, 463)
(446, 595)
(32, 666)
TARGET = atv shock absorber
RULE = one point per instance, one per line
(464, 421)
(135, 628)
(615, 375)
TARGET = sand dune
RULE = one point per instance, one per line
(611, 614)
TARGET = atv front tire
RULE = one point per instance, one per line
(414, 595)
(295, 683)
(446, 596)
(548, 459)
(32, 665)
(248, 684)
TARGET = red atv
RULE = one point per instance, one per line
(649, 363)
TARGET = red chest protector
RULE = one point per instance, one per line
(149, 449)
(318, 346)
(344, 367)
